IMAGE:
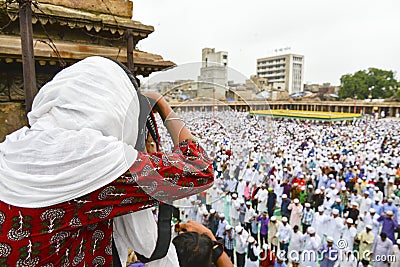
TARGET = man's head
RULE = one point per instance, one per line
(193, 249)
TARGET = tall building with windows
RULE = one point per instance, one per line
(214, 68)
(284, 72)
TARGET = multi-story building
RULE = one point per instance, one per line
(283, 72)
(214, 68)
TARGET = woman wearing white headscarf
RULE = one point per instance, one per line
(65, 178)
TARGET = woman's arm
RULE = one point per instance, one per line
(176, 128)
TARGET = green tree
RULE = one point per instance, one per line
(379, 83)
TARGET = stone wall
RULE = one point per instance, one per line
(12, 117)
(123, 8)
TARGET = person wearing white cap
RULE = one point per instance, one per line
(335, 225)
(261, 197)
(283, 235)
(329, 253)
(248, 216)
(241, 236)
(320, 219)
(349, 233)
(240, 187)
(273, 226)
(389, 206)
(371, 218)
(234, 210)
(252, 253)
(307, 217)
(312, 243)
(365, 203)
(296, 210)
(389, 224)
(229, 241)
(377, 206)
(366, 239)
(221, 226)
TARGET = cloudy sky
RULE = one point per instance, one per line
(336, 37)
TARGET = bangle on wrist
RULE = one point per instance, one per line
(217, 250)
(173, 119)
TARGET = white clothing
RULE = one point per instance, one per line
(284, 233)
(365, 205)
(320, 224)
(261, 196)
(296, 241)
(78, 128)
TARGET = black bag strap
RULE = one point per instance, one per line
(164, 234)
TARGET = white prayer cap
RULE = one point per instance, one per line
(284, 196)
(372, 210)
(317, 191)
(295, 184)
(376, 199)
(390, 200)
(272, 176)
(366, 193)
(349, 220)
(273, 218)
(320, 209)
(205, 213)
(248, 203)
(228, 227)
(376, 188)
(335, 211)
(329, 239)
(398, 241)
(296, 200)
(311, 230)
(307, 205)
(241, 201)
(330, 175)
(368, 226)
(234, 195)
(389, 212)
(251, 239)
(337, 200)
(392, 195)
(284, 219)
(343, 188)
(238, 229)
(222, 215)
(310, 186)
(303, 188)
(301, 176)
(212, 211)
(332, 185)
(322, 187)
(359, 181)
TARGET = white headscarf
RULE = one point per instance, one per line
(83, 128)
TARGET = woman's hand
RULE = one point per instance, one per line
(192, 226)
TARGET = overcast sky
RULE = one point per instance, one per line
(336, 37)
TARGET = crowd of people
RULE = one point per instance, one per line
(285, 187)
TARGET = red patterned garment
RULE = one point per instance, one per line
(79, 232)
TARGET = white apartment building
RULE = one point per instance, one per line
(284, 72)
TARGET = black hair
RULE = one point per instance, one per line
(193, 249)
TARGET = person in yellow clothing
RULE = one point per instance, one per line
(366, 239)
